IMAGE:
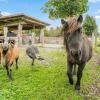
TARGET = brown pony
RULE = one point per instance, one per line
(78, 47)
(10, 52)
(1, 42)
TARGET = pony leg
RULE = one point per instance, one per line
(0, 58)
(79, 76)
(32, 61)
(17, 63)
(2, 61)
(7, 69)
(74, 70)
(10, 74)
(69, 73)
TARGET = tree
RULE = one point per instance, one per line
(37, 32)
(90, 25)
(65, 8)
(46, 32)
(54, 32)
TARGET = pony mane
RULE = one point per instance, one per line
(72, 25)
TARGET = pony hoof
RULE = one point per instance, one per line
(71, 82)
(10, 78)
(32, 64)
(16, 68)
(77, 87)
(78, 92)
(74, 73)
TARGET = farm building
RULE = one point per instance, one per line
(21, 26)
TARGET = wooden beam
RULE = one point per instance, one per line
(33, 34)
(31, 21)
(42, 36)
(20, 33)
(5, 29)
(14, 23)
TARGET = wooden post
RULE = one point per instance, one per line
(5, 29)
(96, 42)
(33, 35)
(93, 39)
(20, 34)
(42, 36)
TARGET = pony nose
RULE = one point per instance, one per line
(75, 52)
(5, 48)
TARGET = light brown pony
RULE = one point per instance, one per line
(1, 43)
(78, 47)
(10, 53)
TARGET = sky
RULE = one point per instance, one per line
(33, 8)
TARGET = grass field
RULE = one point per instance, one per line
(48, 80)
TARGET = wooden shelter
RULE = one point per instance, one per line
(20, 22)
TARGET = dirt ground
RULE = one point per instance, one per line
(94, 89)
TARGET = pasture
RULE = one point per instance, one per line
(48, 80)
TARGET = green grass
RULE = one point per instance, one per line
(45, 81)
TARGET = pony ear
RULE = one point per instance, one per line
(80, 19)
(63, 21)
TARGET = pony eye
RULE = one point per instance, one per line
(66, 24)
(79, 30)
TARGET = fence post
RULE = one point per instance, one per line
(42, 36)
(20, 34)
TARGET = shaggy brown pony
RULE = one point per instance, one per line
(78, 47)
(33, 52)
(1, 42)
(10, 53)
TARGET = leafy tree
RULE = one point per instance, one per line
(90, 25)
(65, 8)
(54, 32)
(46, 32)
(51, 32)
(37, 32)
